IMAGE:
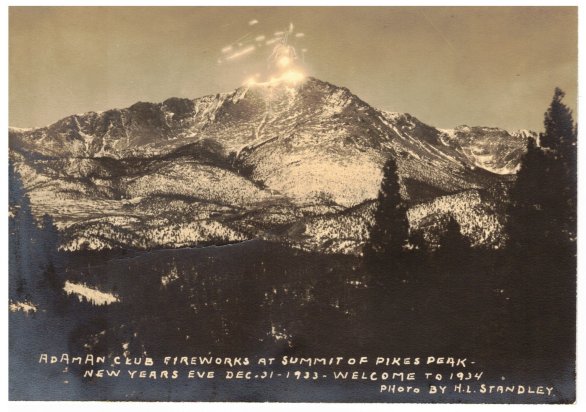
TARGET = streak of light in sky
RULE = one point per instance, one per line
(240, 53)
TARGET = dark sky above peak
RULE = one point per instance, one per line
(490, 66)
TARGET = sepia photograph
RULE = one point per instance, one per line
(292, 204)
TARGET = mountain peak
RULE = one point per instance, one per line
(295, 110)
(303, 143)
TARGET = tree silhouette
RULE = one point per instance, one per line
(542, 229)
(32, 249)
(559, 133)
(22, 232)
(560, 138)
(530, 201)
(389, 232)
(543, 199)
(452, 242)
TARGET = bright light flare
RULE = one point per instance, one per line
(253, 22)
(283, 62)
(292, 77)
(251, 81)
(283, 56)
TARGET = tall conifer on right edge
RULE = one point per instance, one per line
(543, 199)
(542, 237)
(560, 140)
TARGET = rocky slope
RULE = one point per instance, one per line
(270, 160)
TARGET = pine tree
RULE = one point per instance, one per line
(560, 138)
(559, 133)
(31, 248)
(453, 243)
(22, 231)
(542, 228)
(389, 232)
(530, 200)
(543, 199)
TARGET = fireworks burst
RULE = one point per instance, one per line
(283, 63)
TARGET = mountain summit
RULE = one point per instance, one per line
(252, 162)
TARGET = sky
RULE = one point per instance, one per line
(448, 66)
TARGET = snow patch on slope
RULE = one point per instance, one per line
(91, 295)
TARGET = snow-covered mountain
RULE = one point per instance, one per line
(490, 148)
(273, 160)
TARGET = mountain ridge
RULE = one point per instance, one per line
(287, 152)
